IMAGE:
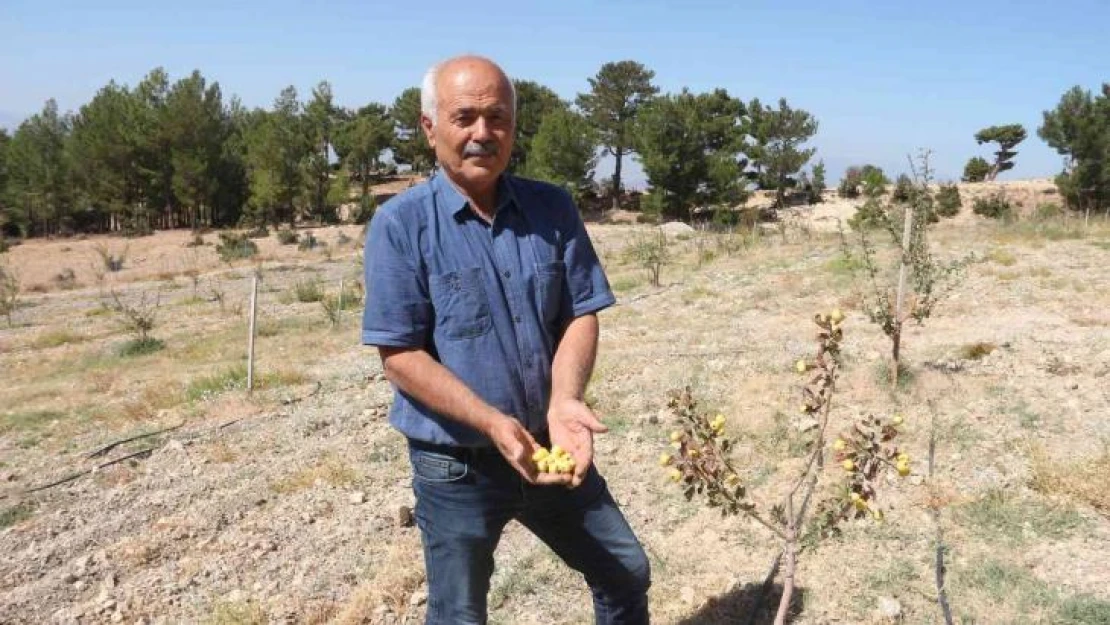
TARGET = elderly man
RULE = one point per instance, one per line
(482, 290)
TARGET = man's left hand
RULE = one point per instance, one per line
(572, 426)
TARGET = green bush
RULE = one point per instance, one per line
(870, 215)
(305, 291)
(234, 246)
(948, 201)
(976, 169)
(1046, 211)
(141, 347)
(309, 242)
(995, 206)
(903, 189)
(287, 236)
(849, 185)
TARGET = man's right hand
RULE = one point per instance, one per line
(517, 446)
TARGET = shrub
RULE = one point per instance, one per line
(112, 262)
(306, 291)
(287, 236)
(976, 169)
(309, 242)
(258, 232)
(234, 247)
(9, 293)
(651, 253)
(995, 206)
(66, 279)
(849, 185)
(903, 189)
(869, 216)
(1047, 210)
(948, 202)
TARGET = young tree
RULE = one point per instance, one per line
(410, 146)
(775, 146)
(563, 151)
(1079, 129)
(976, 170)
(617, 93)
(689, 145)
(534, 102)
(1007, 137)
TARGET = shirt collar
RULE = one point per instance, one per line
(456, 203)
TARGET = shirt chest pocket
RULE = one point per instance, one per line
(460, 302)
(549, 289)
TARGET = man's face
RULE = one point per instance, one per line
(473, 130)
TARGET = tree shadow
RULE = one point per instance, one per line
(736, 605)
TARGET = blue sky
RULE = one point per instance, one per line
(883, 78)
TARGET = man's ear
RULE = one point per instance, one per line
(427, 124)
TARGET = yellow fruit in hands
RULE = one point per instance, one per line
(848, 464)
(897, 419)
(557, 451)
(839, 444)
(665, 459)
(801, 366)
(539, 454)
(542, 466)
(836, 316)
(676, 475)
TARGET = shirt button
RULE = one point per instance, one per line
(516, 318)
(507, 274)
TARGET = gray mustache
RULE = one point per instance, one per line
(477, 148)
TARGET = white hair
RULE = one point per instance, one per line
(428, 100)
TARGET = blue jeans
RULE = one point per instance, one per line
(464, 499)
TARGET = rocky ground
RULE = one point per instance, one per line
(290, 504)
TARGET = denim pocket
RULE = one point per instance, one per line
(428, 466)
(460, 302)
(549, 289)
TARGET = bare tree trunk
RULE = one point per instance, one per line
(899, 302)
(791, 562)
(619, 154)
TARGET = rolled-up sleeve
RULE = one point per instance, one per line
(586, 281)
(398, 309)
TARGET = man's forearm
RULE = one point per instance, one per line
(416, 373)
(574, 359)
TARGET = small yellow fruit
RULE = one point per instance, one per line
(732, 480)
(542, 466)
(694, 453)
(539, 454)
(860, 504)
(557, 451)
(903, 468)
(676, 475)
(855, 497)
(904, 458)
(848, 464)
(897, 420)
(665, 459)
(839, 444)
(800, 366)
(836, 316)
(877, 515)
(676, 436)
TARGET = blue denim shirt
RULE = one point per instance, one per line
(488, 301)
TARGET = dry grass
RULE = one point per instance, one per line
(395, 580)
(1086, 481)
(329, 469)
